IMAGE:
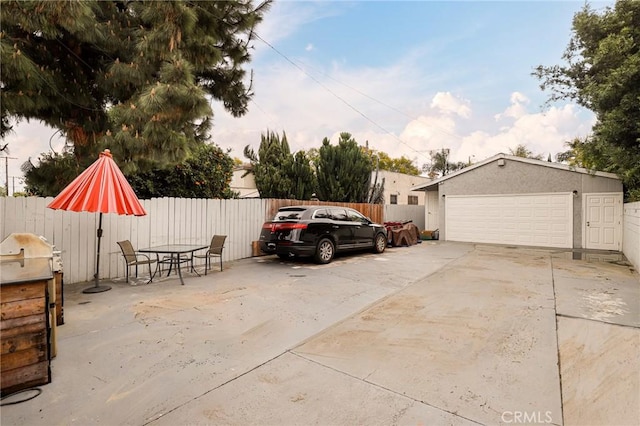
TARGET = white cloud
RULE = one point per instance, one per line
(517, 109)
(448, 103)
(309, 47)
(542, 133)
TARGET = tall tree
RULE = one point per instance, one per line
(136, 76)
(303, 178)
(52, 175)
(343, 171)
(277, 172)
(206, 173)
(576, 155)
(602, 73)
(398, 165)
(522, 151)
(440, 165)
(271, 166)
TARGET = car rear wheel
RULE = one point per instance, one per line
(324, 251)
(380, 243)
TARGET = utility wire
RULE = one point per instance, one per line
(338, 96)
(285, 57)
(376, 100)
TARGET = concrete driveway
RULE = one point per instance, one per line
(437, 333)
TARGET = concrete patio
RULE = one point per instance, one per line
(437, 333)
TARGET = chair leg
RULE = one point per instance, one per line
(126, 268)
(206, 264)
(220, 263)
(193, 266)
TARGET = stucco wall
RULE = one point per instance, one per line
(516, 177)
(631, 233)
(244, 185)
(400, 184)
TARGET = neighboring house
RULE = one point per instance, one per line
(244, 185)
(397, 187)
(520, 201)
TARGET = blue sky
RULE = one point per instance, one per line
(408, 77)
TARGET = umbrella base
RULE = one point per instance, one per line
(96, 289)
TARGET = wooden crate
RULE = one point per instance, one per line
(24, 336)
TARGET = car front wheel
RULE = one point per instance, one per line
(324, 251)
(380, 243)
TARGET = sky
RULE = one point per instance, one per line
(405, 77)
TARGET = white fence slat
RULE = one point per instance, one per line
(28, 214)
(15, 220)
(631, 233)
(180, 220)
(63, 243)
(58, 229)
(49, 223)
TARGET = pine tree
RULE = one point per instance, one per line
(136, 76)
(303, 177)
(343, 171)
(271, 166)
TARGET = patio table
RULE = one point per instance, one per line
(174, 251)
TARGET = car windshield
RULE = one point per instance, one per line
(289, 214)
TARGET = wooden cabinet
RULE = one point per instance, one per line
(25, 325)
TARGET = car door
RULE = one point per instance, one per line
(363, 232)
(343, 230)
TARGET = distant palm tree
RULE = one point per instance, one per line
(440, 164)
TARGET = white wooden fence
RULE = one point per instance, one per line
(631, 233)
(168, 221)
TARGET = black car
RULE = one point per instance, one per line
(321, 232)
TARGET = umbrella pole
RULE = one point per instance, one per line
(97, 288)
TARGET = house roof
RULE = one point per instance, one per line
(559, 166)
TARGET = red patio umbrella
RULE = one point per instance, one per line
(101, 188)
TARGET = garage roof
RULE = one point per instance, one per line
(432, 185)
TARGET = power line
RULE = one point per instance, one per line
(420, 153)
(377, 100)
(338, 97)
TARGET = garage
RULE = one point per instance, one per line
(521, 201)
(544, 220)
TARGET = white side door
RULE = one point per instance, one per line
(432, 207)
(603, 221)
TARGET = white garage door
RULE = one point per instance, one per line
(544, 220)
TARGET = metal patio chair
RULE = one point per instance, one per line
(215, 250)
(133, 258)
